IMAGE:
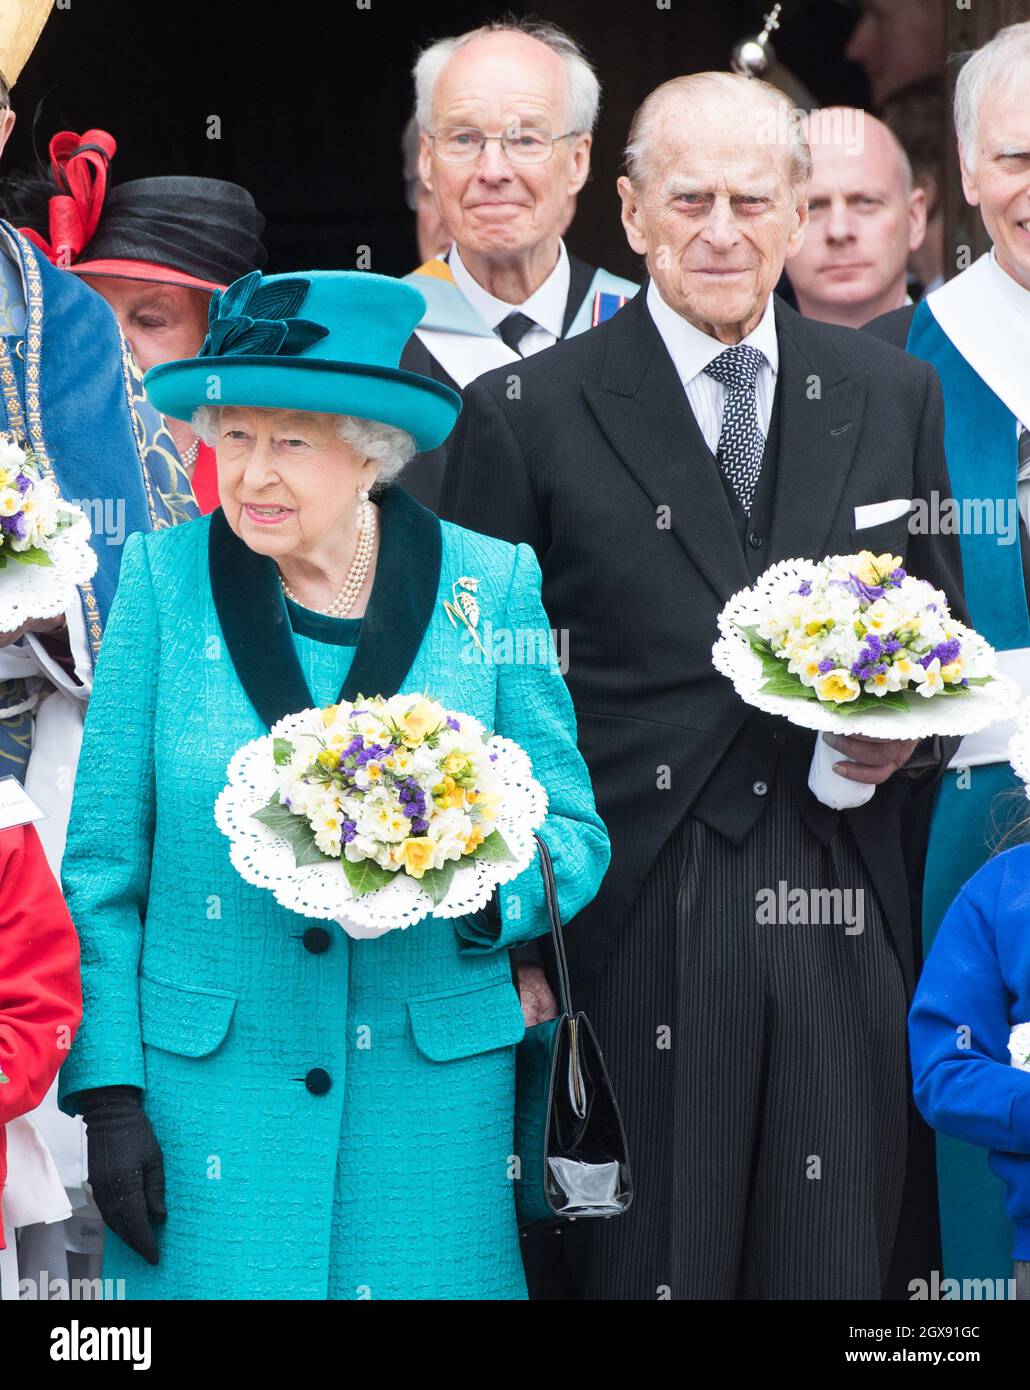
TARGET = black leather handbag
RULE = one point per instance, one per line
(569, 1138)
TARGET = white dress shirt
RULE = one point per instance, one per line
(691, 351)
(545, 306)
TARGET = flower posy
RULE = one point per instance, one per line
(388, 786)
(30, 507)
(858, 630)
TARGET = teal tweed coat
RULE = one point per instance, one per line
(397, 1180)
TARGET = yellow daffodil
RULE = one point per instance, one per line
(416, 855)
(838, 687)
(474, 840)
(873, 569)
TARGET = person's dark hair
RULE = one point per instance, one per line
(918, 116)
(5, 93)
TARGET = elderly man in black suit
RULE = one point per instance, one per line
(658, 465)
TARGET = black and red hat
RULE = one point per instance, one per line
(173, 229)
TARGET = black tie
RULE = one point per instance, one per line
(741, 443)
(514, 328)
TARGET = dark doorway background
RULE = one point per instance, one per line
(312, 99)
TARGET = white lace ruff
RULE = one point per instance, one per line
(32, 593)
(948, 716)
(321, 890)
(1019, 745)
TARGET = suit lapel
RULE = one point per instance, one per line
(821, 410)
(581, 277)
(256, 627)
(643, 410)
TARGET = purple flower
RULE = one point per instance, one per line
(944, 652)
(348, 831)
(452, 723)
(804, 588)
(825, 665)
(869, 592)
(23, 482)
(897, 576)
(15, 525)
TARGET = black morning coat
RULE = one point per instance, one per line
(590, 452)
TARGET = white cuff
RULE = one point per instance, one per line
(827, 786)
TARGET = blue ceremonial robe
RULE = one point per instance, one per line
(70, 388)
(975, 805)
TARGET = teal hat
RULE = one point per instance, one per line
(340, 357)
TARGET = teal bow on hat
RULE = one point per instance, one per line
(342, 360)
(251, 317)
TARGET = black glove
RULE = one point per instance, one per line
(126, 1172)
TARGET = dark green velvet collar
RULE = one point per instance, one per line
(338, 632)
(256, 626)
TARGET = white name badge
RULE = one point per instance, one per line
(16, 806)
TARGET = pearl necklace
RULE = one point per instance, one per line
(356, 575)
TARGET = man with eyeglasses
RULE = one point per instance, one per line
(506, 115)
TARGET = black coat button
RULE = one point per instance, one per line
(316, 940)
(318, 1081)
(755, 540)
(760, 788)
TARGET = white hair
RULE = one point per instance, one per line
(389, 446)
(651, 110)
(996, 66)
(584, 90)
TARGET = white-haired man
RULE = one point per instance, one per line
(506, 114)
(975, 331)
(658, 465)
(865, 219)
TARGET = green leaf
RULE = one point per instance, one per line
(782, 683)
(283, 751)
(33, 556)
(295, 830)
(493, 849)
(758, 643)
(365, 877)
(437, 882)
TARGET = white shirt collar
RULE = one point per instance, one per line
(691, 350)
(1016, 294)
(545, 306)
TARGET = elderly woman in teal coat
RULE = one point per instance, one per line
(274, 1108)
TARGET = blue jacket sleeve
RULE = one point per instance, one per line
(959, 1027)
(106, 866)
(534, 709)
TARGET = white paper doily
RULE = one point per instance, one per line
(946, 715)
(1019, 745)
(33, 593)
(321, 890)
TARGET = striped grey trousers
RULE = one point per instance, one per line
(762, 1072)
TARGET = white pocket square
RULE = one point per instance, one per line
(877, 512)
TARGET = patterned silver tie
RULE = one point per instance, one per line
(741, 443)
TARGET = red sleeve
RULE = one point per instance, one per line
(40, 987)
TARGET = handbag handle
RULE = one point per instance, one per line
(554, 912)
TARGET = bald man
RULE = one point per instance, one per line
(865, 219)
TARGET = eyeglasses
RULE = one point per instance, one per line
(464, 144)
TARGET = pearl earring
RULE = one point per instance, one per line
(363, 494)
